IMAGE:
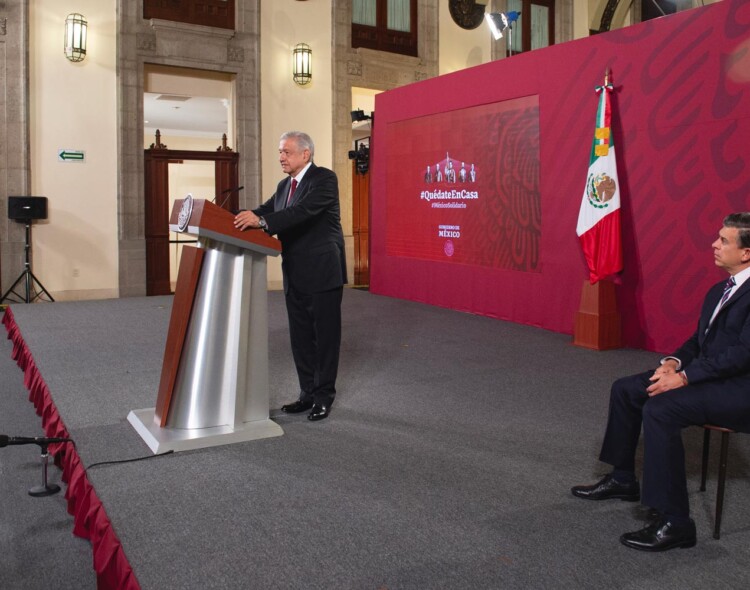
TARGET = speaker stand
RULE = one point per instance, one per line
(33, 287)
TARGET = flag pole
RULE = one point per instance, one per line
(597, 321)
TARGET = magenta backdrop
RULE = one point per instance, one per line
(681, 123)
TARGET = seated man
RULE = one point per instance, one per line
(706, 381)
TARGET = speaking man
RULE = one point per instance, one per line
(304, 213)
(706, 381)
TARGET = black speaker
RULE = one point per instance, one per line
(27, 208)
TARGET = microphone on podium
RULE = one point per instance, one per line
(228, 192)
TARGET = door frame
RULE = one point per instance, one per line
(156, 200)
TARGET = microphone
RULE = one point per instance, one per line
(6, 440)
(228, 192)
(224, 192)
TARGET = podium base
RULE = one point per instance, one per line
(161, 440)
(597, 322)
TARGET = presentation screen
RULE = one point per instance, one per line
(463, 186)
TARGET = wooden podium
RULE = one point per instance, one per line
(214, 380)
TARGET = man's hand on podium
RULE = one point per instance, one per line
(246, 220)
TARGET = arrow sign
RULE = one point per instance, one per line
(65, 155)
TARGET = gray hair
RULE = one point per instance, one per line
(740, 221)
(304, 141)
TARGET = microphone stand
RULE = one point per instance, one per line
(228, 192)
(46, 489)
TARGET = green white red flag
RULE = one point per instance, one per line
(599, 217)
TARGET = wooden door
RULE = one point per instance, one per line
(156, 217)
(156, 210)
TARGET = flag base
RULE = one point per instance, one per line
(597, 321)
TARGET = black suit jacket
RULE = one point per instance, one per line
(720, 352)
(312, 242)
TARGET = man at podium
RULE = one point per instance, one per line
(304, 214)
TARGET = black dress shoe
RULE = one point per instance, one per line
(661, 535)
(296, 407)
(319, 412)
(607, 489)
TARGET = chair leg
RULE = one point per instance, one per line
(722, 479)
(704, 466)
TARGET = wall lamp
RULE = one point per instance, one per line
(499, 21)
(302, 64)
(76, 29)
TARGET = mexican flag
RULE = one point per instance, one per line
(599, 217)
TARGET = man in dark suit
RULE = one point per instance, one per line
(706, 381)
(304, 213)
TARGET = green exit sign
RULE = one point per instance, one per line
(71, 155)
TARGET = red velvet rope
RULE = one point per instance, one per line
(90, 521)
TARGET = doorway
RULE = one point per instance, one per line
(363, 102)
(186, 177)
(162, 255)
(189, 124)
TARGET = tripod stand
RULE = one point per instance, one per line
(33, 287)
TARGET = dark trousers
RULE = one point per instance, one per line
(664, 484)
(315, 333)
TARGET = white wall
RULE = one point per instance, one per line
(73, 106)
(286, 106)
(582, 10)
(460, 48)
(188, 82)
(364, 99)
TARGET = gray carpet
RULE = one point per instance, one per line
(37, 548)
(446, 463)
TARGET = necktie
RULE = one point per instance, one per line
(291, 192)
(727, 290)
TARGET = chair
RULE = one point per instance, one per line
(725, 432)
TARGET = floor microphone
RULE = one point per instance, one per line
(6, 440)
